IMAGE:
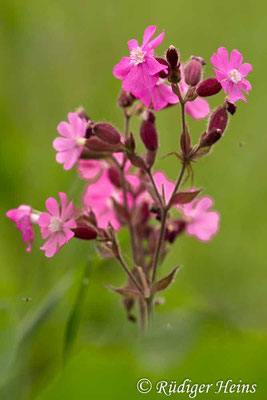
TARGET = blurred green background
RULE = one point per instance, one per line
(55, 56)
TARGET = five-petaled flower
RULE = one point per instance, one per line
(24, 218)
(200, 221)
(139, 71)
(231, 75)
(57, 224)
(71, 145)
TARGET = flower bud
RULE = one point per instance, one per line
(193, 72)
(96, 144)
(82, 114)
(114, 176)
(150, 158)
(231, 107)
(130, 143)
(163, 74)
(218, 119)
(107, 132)
(125, 99)
(84, 231)
(174, 229)
(172, 56)
(149, 134)
(199, 59)
(137, 161)
(208, 87)
(207, 139)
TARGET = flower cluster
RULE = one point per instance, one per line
(122, 188)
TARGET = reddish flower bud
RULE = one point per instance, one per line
(174, 229)
(114, 176)
(172, 56)
(82, 114)
(137, 161)
(162, 61)
(84, 231)
(193, 72)
(150, 158)
(207, 139)
(148, 132)
(218, 119)
(107, 132)
(130, 143)
(208, 87)
(96, 144)
(199, 59)
(125, 99)
(231, 107)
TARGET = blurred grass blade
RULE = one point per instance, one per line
(73, 321)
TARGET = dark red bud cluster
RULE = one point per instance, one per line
(231, 107)
(208, 87)
(207, 139)
(193, 72)
(163, 74)
(86, 228)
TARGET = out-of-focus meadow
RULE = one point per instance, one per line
(55, 56)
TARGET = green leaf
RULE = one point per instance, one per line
(74, 318)
(164, 282)
(185, 197)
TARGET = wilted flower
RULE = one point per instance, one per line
(231, 75)
(71, 145)
(57, 224)
(24, 217)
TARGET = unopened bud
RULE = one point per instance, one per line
(82, 114)
(174, 229)
(193, 72)
(125, 99)
(96, 144)
(107, 132)
(149, 134)
(130, 143)
(231, 107)
(84, 231)
(172, 56)
(199, 59)
(150, 158)
(218, 119)
(208, 87)
(114, 176)
(207, 139)
(163, 74)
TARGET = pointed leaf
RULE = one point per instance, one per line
(185, 197)
(164, 282)
(125, 292)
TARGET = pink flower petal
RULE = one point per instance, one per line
(148, 34)
(154, 67)
(64, 129)
(132, 44)
(71, 157)
(63, 144)
(244, 69)
(52, 207)
(122, 69)
(44, 220)
(50, 247)
(161, 180)
(156, 41)
(198, 108)
(235, 59)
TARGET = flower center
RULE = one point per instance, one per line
(80, 141)
(235, 76)
(55, 225)
(137, 55)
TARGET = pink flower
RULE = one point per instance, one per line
(24, 218)
(139, 71)
(162, 95)
(201, 222)
(98, 197)
(231, 74)
(56, 225)
(71, 145)
(199, 108)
